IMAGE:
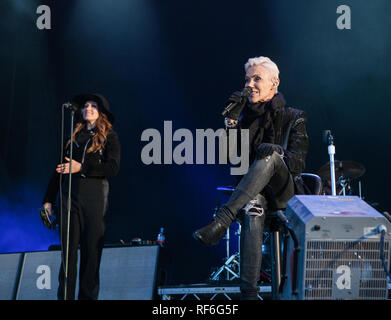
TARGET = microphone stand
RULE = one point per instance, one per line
(331, 151)
(73, 109)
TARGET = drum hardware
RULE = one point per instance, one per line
(349, 169)
(346, 171)
(232, 262)
(231, 265)
(327, 137)
(345, 184)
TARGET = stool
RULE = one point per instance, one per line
(273, 227)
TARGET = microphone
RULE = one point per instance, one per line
(69, 105)
(243, 96)
(327, 137)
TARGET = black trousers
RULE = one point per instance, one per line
(87, 228)
(270, 172)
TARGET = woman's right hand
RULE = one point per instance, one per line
(48, 207)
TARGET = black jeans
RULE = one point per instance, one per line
(272, 172)
(251, 240)
(87, 228)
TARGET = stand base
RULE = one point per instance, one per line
(231, 265)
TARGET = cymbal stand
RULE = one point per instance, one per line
(345, 184)
(227, 246)
(331, 151)
(232, 262)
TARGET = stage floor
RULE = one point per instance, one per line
(204, 291)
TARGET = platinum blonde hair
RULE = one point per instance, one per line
(266, 62)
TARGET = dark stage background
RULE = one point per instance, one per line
(180, 61)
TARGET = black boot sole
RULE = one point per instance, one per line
(199, 238)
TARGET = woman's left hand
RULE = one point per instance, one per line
(64, 167)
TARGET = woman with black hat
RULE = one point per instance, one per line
(96, 156)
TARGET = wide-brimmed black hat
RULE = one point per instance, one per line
(103, 104)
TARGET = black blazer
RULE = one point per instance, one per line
(290, 133)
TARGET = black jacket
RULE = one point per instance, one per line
(282, 125)
(101, 164)
(293, 138)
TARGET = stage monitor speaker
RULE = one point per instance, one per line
(126, 273)
(39, 276)
(9, 274)
(339, 256)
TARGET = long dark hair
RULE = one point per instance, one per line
(103, 127)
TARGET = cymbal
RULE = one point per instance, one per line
(348, 169)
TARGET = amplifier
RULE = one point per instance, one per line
(337, 254)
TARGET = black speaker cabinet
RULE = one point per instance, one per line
(126, 273)
(9, 274)
(39, 276)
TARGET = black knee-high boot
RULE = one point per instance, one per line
(251, 239)
(257, 177)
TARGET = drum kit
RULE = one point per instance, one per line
(346, 172)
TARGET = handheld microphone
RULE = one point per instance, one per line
(243, 96)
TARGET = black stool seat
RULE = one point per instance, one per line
(272, 222)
